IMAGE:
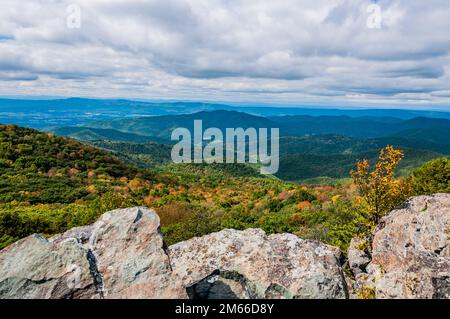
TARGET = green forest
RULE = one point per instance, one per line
(49, 184)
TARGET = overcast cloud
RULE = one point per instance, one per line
(287, 51)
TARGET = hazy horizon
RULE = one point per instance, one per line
(358, 53)
(242, 104)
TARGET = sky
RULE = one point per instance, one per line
(385, 53)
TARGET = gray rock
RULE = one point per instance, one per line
(120, 256)
(358, 258)
(123, 255)
(131, 256)
(410, 250)
(81, 234)
(275, 266)
(36, 268)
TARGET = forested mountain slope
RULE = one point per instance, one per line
(39, 167)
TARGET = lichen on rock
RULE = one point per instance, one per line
(123, 255)
(411, 251)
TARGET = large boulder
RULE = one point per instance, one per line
(411, 251)
(120, 256)
(36, 268)
(123, 255)
(130, 255)
(250, 264)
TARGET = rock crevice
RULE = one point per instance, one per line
(97, 277)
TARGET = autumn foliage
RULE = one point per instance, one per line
(380, 191)
(49, 184)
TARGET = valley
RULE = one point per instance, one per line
(67, 176)
(311, 148)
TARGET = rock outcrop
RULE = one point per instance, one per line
(120, 256)
(123, 255)
(411, 251)
(358, 257)
(275, 266)
(36, 268)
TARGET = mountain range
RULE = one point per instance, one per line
(315, 143)
(421, 128)
(312, 148)
(45, 114)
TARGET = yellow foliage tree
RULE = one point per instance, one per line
(135, 184)
(380, 191)
(91, 189)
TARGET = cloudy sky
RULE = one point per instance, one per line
(305, 52)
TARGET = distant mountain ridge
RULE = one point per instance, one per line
(162, 126)
(45, 114)
(299, 125)
(310, 146)
(97, 134)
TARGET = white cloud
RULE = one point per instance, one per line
(254, 50)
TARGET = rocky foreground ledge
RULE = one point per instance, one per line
(123, 255)
(410, 252)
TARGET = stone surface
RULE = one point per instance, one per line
(131, 257)
(120, 256)
(36, 268)
(81, 234)
(123, 255)
(275, 266)
(358, 257)
(410, 251)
